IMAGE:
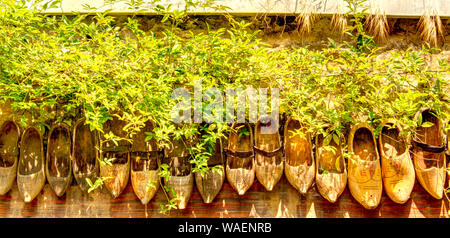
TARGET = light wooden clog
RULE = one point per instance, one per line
(118, 173)
(210, 183)
(240, 167)
(268, 153)
(364, 168)
(428, 154)
(181, 177)
(396, 165)
(144, 165)
(331, 172)
(300, 165)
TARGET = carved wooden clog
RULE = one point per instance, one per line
(30, 171)
(396, 165)
(428, 153)
(144, 165)
(181, 178)
(118, 172)
(84, 154)
(268, 153)
(210, 183)
(300, 166)
(364, 168)
(58, 165)
(240, 167)
(331, 171)
(447, 151)
(9, 154)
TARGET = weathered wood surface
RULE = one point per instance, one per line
(283, 201)
(397, 8)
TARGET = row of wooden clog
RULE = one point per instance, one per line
(264, 157)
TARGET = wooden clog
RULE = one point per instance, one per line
(428, 153)
(58, 165)
(331, 171)
(144, 165)
(240, 167)
(396, 165)
(118, 172)
(85, 155)
(364, 168)
(447, 151)
(9, 154)
(181, 178)
(30, 171)
(300, 166)
(268, 154)
(210, 183)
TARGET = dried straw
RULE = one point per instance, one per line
(430, 26)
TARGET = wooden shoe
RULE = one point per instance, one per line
(30, 172)
(9, 154)
(268, 154)
(447, 152)
(428, 154)
(240, 158)
(300, 166)
(396, 165)
(144, 165)
(118, 172)
(181, 178)
(364, 168)
(210, 183)
(85, 155)
(58, 166)
(331, 172)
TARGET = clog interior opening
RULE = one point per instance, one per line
(265, 141)
(59, 153)
(178, 159)
(116, 127)
(298, 148)
(149, 161)
(330, 157)
(31, 153)
(392, 143)
(146, 163)
(9, 137)
(363, 145)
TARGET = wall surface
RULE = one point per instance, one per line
(395, 8)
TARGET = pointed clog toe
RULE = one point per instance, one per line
(210, 184)
(145, 184)
(117, 175)
(240, 179)
(182, 185)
